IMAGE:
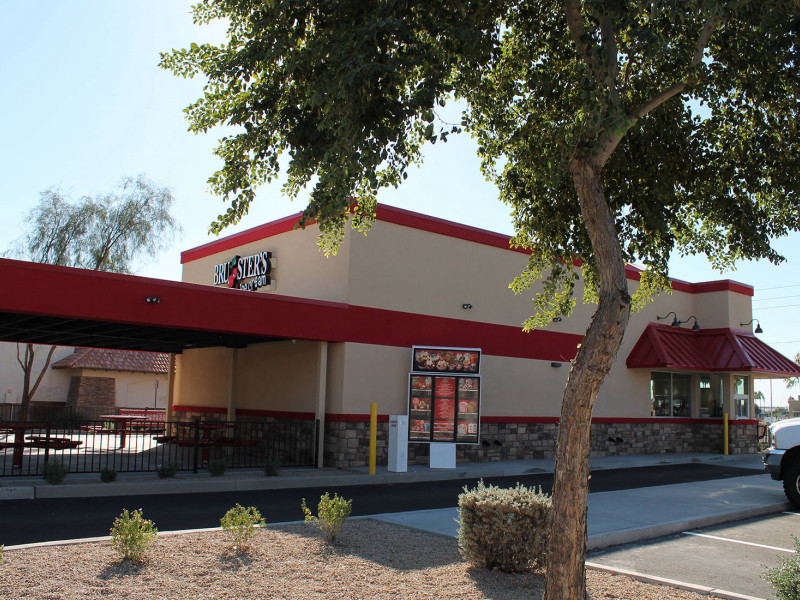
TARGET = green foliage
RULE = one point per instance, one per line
(272, 467)
(785, 576)
(503, 528)
(2, 547)
(217, 467)
(331, 514)
(108, 475)
(240, 523)
(686, 112)
(168, 471)
(132, 534)
(107, 232)
(54, 472)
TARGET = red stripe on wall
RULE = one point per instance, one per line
(364, 418)
(414, 220)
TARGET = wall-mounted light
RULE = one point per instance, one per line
(555, 364)
(675, 322)
(695, 327)
(556, 319)
(153, 300)
(466, 306)
(758, 325)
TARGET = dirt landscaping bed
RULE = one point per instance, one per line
(372, 560)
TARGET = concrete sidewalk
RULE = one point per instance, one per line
(614, 517)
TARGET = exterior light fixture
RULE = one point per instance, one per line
(675, 322)
(555, 364)
(758, 325)
(556, 319)
(466, 306)
(695, 327)
(153, 300)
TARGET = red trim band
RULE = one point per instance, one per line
(414, 220)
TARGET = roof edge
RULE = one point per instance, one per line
(415, 220)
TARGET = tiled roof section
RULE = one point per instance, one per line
(115, 360)
(732, 350)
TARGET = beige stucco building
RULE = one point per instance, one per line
(417, 280)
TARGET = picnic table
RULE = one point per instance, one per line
(18, 429)
(122, 423)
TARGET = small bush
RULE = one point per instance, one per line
(1, 552)
(217, 467)
(167, 471)
(503, 528)
(785, 577)
(240, 523)
(272, 467)
(132, 534)
(54, 472)
(331, 514)
(107, 475)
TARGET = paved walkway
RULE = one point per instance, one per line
(614, 517)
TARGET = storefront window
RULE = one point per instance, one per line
(741, 395)
(671, 395)
(710, 395)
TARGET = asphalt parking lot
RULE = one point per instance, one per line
(730, 557)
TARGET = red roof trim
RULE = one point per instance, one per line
(709, 350)
(415, 220)
(205, 308)
(247, 236)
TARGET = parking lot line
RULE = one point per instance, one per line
(716, 537)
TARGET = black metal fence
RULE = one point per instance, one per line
(131, 444)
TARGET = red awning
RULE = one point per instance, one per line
(711, 350)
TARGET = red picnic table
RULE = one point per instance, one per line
(18, 429)
(122, 423)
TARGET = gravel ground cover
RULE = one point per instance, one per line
(372, 559)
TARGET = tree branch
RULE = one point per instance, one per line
(610, 50)
(42, 372)
(572, 10)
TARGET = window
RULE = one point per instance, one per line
(741, 395)
(710, 395)
(671, 395)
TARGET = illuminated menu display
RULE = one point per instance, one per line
(442, 406)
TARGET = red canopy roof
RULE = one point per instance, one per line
(665, 347)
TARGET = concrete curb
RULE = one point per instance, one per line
(638, 534)
(25, 492)
(681, 585)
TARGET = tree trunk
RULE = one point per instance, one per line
(565, 578)
(29, 390)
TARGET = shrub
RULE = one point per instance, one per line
(272, 467)
(1, 552)
(107, 475)
(240, 523)
(217, 467)
(54, 472)
(167, 471)
(785, 577)
(132, 534)
(331, 514)
(503, 528)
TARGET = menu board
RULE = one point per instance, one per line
(421, 400)
(444, 360)
(444, 411)
(444, 408)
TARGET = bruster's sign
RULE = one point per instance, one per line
(245, 272)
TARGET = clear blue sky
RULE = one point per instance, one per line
(84, 104)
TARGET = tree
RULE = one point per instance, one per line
(108, 232)
(616, 130)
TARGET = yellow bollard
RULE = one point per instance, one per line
(373, 436)
(725, 434)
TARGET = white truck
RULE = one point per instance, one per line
(782, 460)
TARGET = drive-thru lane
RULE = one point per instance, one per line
(731, 557)
(29, 521)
